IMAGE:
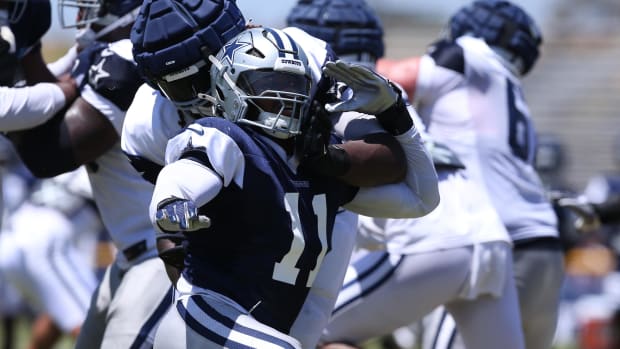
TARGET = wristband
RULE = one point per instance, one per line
(396, 119)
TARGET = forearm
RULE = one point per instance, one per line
(421, 177)
(377, 159)
(185, 179)
(23, 108)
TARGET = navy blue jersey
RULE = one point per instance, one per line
(267, 237)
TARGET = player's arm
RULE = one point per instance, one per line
(35, 69)
(91, 124)
(419, 193)
(26, 107)
(403, 72)
(68, 140)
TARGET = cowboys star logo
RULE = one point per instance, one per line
(231, 48)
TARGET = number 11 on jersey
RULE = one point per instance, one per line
(286, 270)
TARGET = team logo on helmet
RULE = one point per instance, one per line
(232, 47)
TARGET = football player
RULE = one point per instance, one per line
(430, 260)
(467, 90)
(134, 291)
(183, 78)
(244, 283)
(22, 24)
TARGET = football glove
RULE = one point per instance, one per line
(371, 94)
(587, 219)
(179, 215)
(317, 155)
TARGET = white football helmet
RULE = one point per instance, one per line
(108, 14)
(262, 78)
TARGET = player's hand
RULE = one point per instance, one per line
(372, 94)
(314, 148)
(179, 215)
(587, 219)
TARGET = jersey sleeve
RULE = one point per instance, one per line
(211, 148)
(147, 127)
(415, 197)
(27, 107)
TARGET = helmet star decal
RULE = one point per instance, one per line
(231, 48)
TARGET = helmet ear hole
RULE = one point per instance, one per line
(256, 53)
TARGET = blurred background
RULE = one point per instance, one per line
(574, 96)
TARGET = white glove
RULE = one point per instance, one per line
(587, 219)
(372, 94)
(178, 215)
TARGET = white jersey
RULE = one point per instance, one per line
(472, 102)
(122, 196)
(457, 221)
(26, 107)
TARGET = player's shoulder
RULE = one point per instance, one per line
(224, 132)
(114, 75)
(448, 54)
(149, 122)
(123, 49)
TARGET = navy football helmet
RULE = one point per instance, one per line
(172, 40)
(32, 21)
(350, 27)
(502, 24)
(262, 78)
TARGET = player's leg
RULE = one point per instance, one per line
(490, 321)
(539, 273)
(44, 333)
(52, 273)
(382, 293)
(141, 300)
(93, 327)
(211, 321)
(11, 304)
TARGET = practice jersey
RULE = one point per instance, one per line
(462, 218)
(152, 119)
(271, 223)
(122, 196)
(472, 102)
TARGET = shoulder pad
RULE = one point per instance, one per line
(114, 77)
(449, 55)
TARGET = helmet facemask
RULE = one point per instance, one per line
(107, 15)
(189, 89)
